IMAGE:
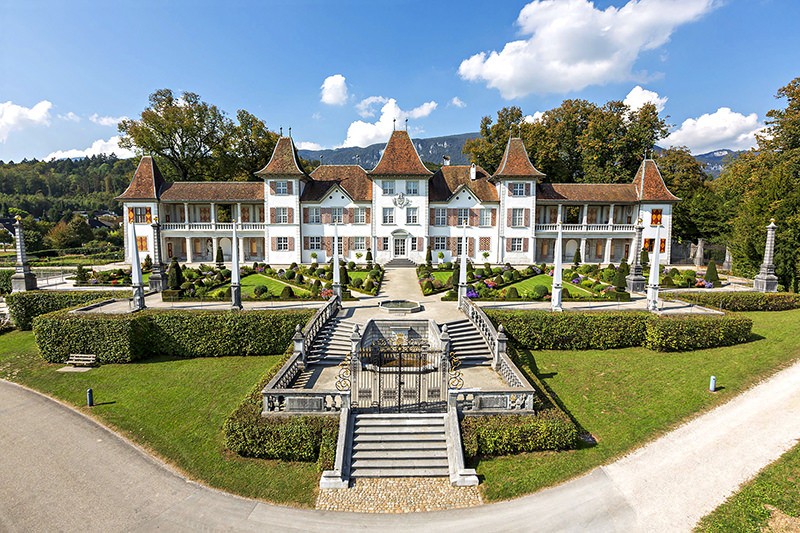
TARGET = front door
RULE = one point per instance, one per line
(399, 247)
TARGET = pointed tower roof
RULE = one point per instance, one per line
(515, 162)
(284, 162)
(147, 182)
(400, 158)
(650, 185)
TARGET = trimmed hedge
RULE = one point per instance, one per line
(25, 306)
(289, 438)
(493, 435)
(743, 301)
(125, 338)
(694, 332)
(5, 280)
(543, 330)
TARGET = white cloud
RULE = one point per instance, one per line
(106, 121)
(308, 145)
(722, 129)
(536, 117)
(457, 102)
(15, 117)
(98, 147)
(366, 107)
(71, 117)
(638, 97)
(570, 44)
(361, 133)
(334, 90)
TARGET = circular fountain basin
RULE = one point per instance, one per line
(399, 307)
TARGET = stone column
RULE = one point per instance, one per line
(611, 215)
(766, 280)
(214, 246)
(555, 300)
(635, 280)
(655, 274)
(158, 278)
(607, 251)
(188, 249)
(186, 214)
(728, 263)
(298, 340)
(502, 343)
(22, 279)
(337, 279)
(236, 287)
(136, 274)
(583, 250)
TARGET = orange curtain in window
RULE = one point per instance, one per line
(148, 216)
(130, 215)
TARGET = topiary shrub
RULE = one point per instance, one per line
(644, 257)
(512, 294)
(711, 274)
(576, 259)
(539, 292)
(260, 290)
(368, 258)
(369, 285)
(81, 276)
(619, 280)
(744, 301)
(287, 293)
(357, 282)
(694, 332)
(427, 287)
(494, 435)
(220, 257)
(23, 307)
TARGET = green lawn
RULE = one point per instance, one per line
(442, 276)
(627, 397)
(249, 284)
(173, 407)
(527, 285)
(778, 485)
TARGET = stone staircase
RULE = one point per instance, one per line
(399, 445)
(468, 344)
(333, 341)
(399, 262)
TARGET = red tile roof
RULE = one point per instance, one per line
(352, 178)
(446, 181)
(284, 161)
(213, 191)
(650, 185)
(587, 192)
(515, 162)
(147, 182)
(400, 158)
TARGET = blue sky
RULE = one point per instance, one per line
(70, 70)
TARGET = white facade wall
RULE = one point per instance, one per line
(400, 229)
(143, 229)
(465, 199)
(290, 230)
(337, 198)
(646, 214)
(525, 232)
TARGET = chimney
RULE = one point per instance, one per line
(472, 173)
(445, 160)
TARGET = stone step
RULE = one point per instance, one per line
(400, 446)
(400, 455)
(399, 430)
(406, 438)
(390, 463)
(399, 472)
(365, 416)
(437, 421)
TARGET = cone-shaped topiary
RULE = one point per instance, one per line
(711, 273)
(220, 257)
(619, 280)
(287, 293)
(429, 257)
(644, 257)
(345, 277)
(625, 267)
(576, 259)
(174, 275)
(148, 263)
(369, 258)
(512, 293)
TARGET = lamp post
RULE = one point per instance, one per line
(555, 299)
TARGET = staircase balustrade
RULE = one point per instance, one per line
(321, 317)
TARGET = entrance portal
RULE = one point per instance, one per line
(399, 247)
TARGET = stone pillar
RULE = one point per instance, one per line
(555, 300)
(214, 246)
(766, 280)
(462, 273)
(236, 287)
(158, 278)
(214, 215)
(728, 263)
(136, 274)
(337, 279)
(22, 279)
(607, 252)
(189, 249)
(655, 274)
(445, 337)
(635, 280)
(583, 250)
(186, 214)
(355, 341)
(585, 218)
(611, 215)
(699, 253)
(502, 342)
(298, 344)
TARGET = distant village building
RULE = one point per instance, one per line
(398, 210)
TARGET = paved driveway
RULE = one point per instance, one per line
(61, 471)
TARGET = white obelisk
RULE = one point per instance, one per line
(337, 280)
(655, 273)
(136, 273)
(555, 299)
(236, 286)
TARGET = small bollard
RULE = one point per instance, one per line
(89, 398)
(712, 385)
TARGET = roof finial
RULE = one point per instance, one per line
(281, 131)
(358, 159)
(321, 157)
(406, 123)
(394, 122)
(290, 132)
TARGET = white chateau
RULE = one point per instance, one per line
(398, 210)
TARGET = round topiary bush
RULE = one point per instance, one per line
(290, 274)
(357, 282)
(260, 290)
(667, 281)
(539, 292)
(369, 285)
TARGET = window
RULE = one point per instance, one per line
(283, 244)
(339, 245)
(486, 217)
(314, 215)
(517, 217)
(388, 215)
(440, 243)
(385, 243)
(655, 217)
(411, 216)
(648, 244)
(663, 246)
(388, 187)
(413, 244)
(140, 215)
(360, 215)
(281, 187)
(337, 215)
(440, 216)
(282, 215)
(463, 217)
(412, 188)
(360, 243)
(141, 244)
(315, 243)
(517, 189)
(459, 247)
(516, 244)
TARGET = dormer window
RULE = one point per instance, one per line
(517, 189)
(281, 188)
(388, 187)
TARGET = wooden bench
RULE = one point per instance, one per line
(82, 359)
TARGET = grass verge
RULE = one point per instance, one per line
(173, 407)
(777, 486)
(275, 287)
(627, 397)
